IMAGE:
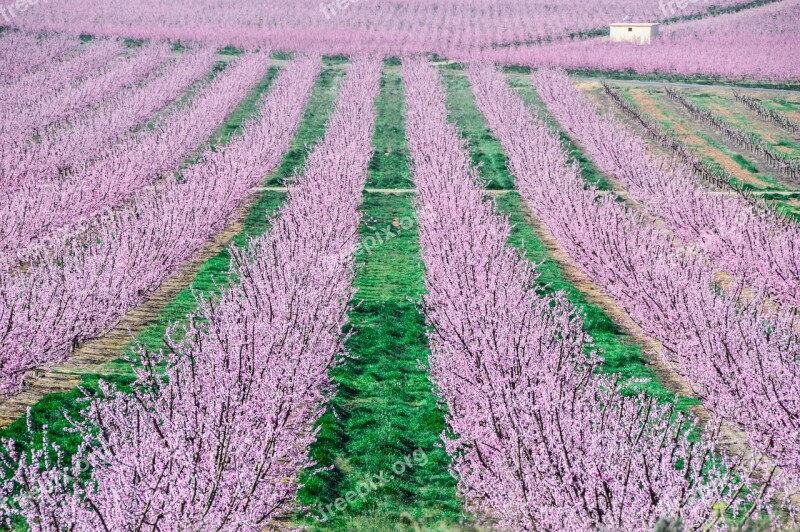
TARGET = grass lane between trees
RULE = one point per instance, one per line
(380, 441)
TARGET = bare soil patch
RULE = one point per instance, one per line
(649, 104)
(743, 118)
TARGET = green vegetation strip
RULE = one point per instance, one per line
(312, 128)
(487, 153)
(212, 274)
(380, 441)
(389, 168)
(385, 411)
(246, 110)
(190, 93)
(781, 104)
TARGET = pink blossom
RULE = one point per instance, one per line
(78, 289)
(740, 356)
(538, 440)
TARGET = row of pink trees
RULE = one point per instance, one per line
(754, 245)
(740, 358)
(23, 53)
(757, 43)
(22, 122)
(46, 211)
(63, 148)
(218, 441)
(538, 440)
(79, 289)
(343, 26)
(63, 70)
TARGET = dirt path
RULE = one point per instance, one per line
(90, 356)
(792, 115)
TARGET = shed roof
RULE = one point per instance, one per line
(636, 24)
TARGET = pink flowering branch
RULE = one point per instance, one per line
(740, 357)
(538, 440)
(754, 245)
(79, 289)
(218, 440)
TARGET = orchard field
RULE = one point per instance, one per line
(399, 265)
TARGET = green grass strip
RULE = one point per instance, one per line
(487, 153)
(385, 409)
(781, 104)
(190, 93)
(312, 128)
(390, 168)
(381, 438)
(246, 110)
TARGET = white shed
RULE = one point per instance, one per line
(640, 32)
